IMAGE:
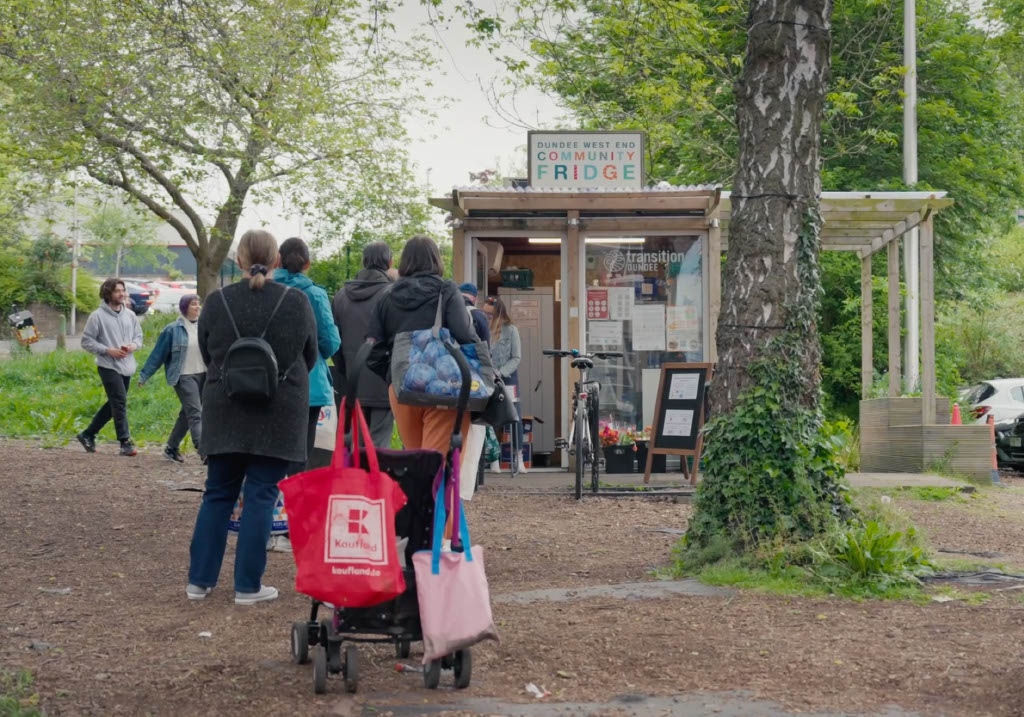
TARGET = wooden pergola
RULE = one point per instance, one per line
(867, 223)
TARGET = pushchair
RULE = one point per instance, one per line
(331, 641)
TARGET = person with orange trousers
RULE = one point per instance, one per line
(410, 305)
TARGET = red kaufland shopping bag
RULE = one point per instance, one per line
(342, 524)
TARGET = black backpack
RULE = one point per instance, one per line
(249, 369)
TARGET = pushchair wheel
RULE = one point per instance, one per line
(300, 642)
(319, 670)
(351, 668)
(432, 674)
(403, 648)
(463, 668)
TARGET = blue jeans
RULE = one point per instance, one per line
(224, 481)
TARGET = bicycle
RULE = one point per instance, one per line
(583, 441)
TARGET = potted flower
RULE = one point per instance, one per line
(618, 456)
(643, 439)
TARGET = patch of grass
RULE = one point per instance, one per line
(17, 698)
(968, 597)
(54, 396)
(934, 494)
(877, 555)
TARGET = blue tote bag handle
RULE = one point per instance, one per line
(440, 517)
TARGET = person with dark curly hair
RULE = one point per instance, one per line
(113, 334)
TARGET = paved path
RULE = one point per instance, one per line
(43, 346)
(901, 480)
(735, 704)
(558, 480)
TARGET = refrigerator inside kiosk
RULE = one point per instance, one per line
(644, 297)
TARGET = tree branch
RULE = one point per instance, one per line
(153, 171)
(154, 206)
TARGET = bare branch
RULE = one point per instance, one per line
(153, 171)
(154, 206)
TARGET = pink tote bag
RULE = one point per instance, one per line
(455, 603)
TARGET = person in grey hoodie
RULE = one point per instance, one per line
(114, 335)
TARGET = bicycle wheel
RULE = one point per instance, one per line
(595, 461)
(581, 448)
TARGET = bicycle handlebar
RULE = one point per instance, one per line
(575, 353)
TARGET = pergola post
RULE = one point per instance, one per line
(895, 376)
(459, 258)
(714, 286)
(574, 245)
(927, 274)
(867, 371)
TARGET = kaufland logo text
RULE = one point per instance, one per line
(634, 262)
(355, 530)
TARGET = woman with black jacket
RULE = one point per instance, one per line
(251, 441)
(410, 305)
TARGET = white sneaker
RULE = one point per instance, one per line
(495, 467)
(279, 544)
(194, 592)
(265, 593)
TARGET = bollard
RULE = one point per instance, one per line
(995, 461)
(955, 420)
(62, 331)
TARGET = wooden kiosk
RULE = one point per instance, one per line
(551, 231)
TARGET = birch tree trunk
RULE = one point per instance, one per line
(771, 276)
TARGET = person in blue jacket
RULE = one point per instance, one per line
(177, 350)
(294, 264)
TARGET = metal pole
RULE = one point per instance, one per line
(74, 264)
(911, 244)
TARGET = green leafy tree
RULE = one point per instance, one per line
(194, 109)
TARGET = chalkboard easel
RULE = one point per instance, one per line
(679, 415)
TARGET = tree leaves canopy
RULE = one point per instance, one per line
(192, 108)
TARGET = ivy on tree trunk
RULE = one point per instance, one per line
(769, 473)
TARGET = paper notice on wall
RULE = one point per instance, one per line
(620, 303)
(682, 328)
(649, 327)
(604, 334)
(678, 422)
(683, 387)
(597, 303)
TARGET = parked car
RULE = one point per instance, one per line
(139, 298)
(169, 296)
(1002, 398)
(1010, 443)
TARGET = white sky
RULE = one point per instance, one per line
(467, 134)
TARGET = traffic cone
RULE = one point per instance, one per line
(956, 416)
(995, 461)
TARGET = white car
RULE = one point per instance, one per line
(1002, 398)
(169, 296)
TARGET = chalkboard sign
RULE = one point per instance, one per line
(679, 414)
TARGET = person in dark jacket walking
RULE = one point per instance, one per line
(177, 350)
(480, 321)
(294, 265)
(252, 441)
(353, 307)
(410, 305)
(113, 334)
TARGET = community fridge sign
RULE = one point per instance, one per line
(586, 160)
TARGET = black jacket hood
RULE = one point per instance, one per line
(411, 292)
(367, 284)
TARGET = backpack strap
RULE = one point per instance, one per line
(231, 317)
(274, 312)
